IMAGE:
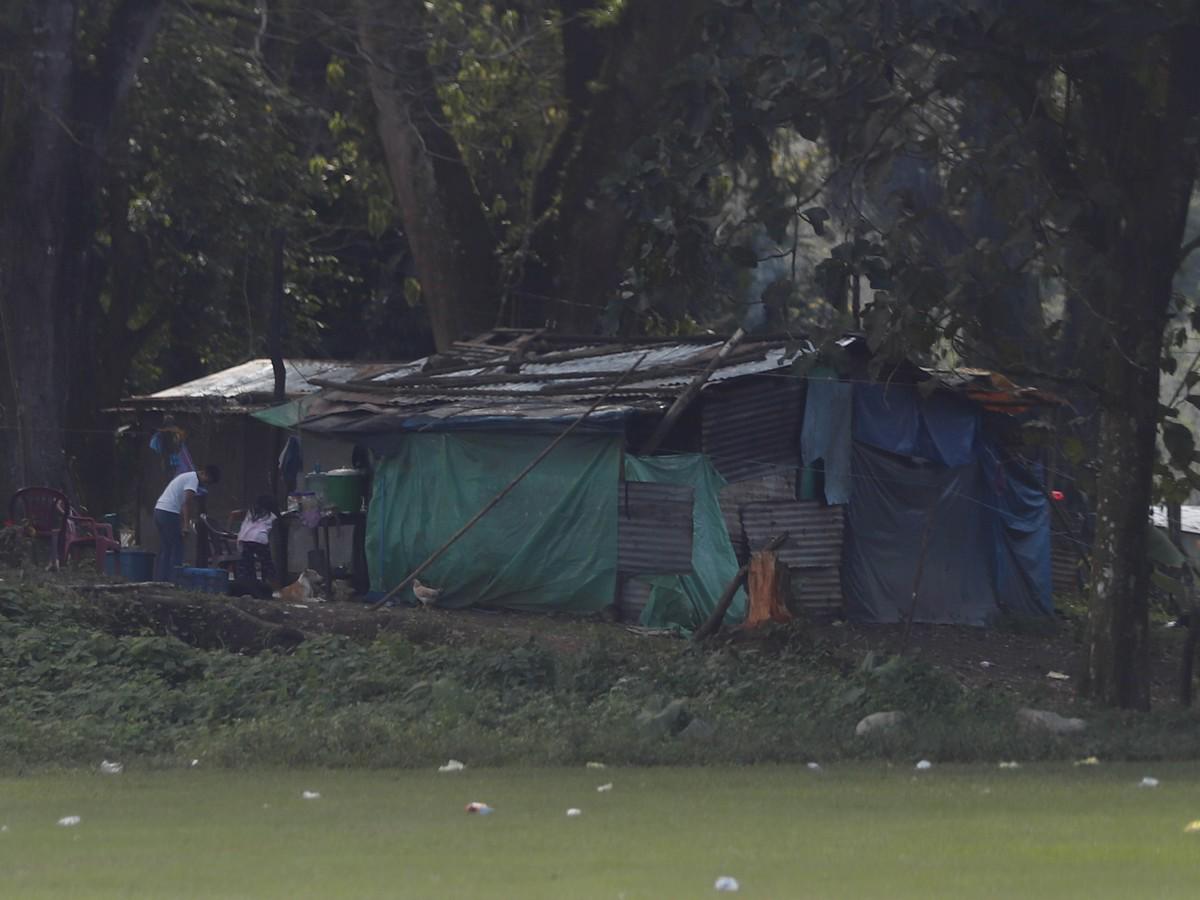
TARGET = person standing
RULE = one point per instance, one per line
(173, 514)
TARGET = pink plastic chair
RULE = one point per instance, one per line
(82, 531)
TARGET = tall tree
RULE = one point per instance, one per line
(615, 64)
(72, 68)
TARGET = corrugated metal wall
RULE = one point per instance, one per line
(814, 548)
(752, 428)
(654, 528)
(779, 486)
(634, 595)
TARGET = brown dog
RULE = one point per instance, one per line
(303, 590)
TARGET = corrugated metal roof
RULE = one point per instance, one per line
(654, 528)
(815, 531)
(254, 380)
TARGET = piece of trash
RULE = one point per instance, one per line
(1189, 828)
(604, 788)
(814, 766)
(726, 884)
(266, 806)
(195, 762)
(573, 812)
(452, 765)
(3, 829)
(68, 821)
(1058, 676)
(596, 765)
(924, 765)
(311, 795)
(1090, 761)
(481, 808)
(1010, 765)
(1148, 782)
(985, 664)
(111, 768)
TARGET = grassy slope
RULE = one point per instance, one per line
(569, 691)
(858, 831)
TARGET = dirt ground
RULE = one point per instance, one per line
(1006, 657)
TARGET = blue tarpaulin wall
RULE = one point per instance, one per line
(989, 545)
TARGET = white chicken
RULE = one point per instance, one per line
(427, 595)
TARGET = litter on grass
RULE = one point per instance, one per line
(596, 765)
(68, 821)
(1010, 765)
(604, 788)
(1090, 761)
(311, 795)
(1058, 676)
(1148, 782)
(1189, 828)
(477, 807)
(726, 884)
(111, 768)
(814, 766)
(574, 812)
(924, 765)
(452, 765)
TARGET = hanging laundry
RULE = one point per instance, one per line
(291, 463)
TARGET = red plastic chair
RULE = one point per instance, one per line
(46, 510)
(82, 531)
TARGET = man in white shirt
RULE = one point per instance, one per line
(172, 515)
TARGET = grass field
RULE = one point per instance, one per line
(858, 831)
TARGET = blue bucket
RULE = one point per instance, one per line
(131, 563)
(205, 581)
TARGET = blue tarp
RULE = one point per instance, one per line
(941, 428)
(828, 412)
(989, 549)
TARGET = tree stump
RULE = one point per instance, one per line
(770, 588)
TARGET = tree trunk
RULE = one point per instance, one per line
(35, 150)
(580, 247)
(55, 125)
(444, 223)
(1149, 147)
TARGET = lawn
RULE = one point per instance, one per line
(842, 832)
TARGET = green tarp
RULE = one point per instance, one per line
(286, 415)
(550, 544)
(686, 601)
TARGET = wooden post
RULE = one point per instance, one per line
(684, 400)
(713, 625)
(912, 605)
(769, 587)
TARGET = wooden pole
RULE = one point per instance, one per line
(713, 624)
(912, 605)
(433, 557)
(684, 400)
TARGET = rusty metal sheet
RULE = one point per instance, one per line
(753, 428)
(815, 531)
(654, 528)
